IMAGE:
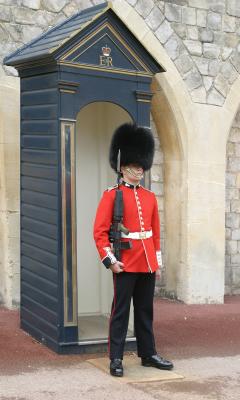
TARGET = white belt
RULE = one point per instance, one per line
(137, 235)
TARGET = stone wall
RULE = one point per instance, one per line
(200, 36)
(232, 271)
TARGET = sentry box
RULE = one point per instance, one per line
(79, 81)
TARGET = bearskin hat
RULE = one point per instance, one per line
(136, 144)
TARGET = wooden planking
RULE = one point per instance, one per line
(39, 214)
(39, 199)
(39, 296)
(44, 81)
(45, 96)
(39, 185)
(40, 255)
(48, 127)
(39, 111)
(40, 156)
(39, 171)
(42, 324)
(42, 228)
(39, 142)
(41, 242)
(38, 268)
(40, 283)
(38, 309)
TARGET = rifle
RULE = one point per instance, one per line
(117, 226)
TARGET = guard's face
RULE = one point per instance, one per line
(132, 172)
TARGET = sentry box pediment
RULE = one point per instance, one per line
(79, 81)
(92, 38)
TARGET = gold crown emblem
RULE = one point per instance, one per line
(106, 50)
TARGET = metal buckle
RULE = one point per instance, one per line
(143, 235)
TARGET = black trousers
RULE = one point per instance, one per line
(140, 287)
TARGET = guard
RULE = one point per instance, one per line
(127, 237)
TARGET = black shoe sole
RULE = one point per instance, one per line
(157, 366)
(117, 374)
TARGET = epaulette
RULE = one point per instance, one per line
(111, 188)
(148, 190)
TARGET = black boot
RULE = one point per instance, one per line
(116, 368)
(157, 362)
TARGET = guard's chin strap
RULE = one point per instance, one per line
(133, 173)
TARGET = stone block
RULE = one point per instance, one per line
(202, 64)
(235, 60)
(235, 259)
(173, 46)
(232, 193)
(229, 23)
(229, 72)
(227, 206)
(214, 21)
(232, 220)
(5, 13)
(193, 79)
(231, 40)
(14, 224)
(144, 7)
(14, 249)
(219, 38)
(228, 233)
(233, 8)
(180, 29)
(155, 18)
(227, 260)
(34, 4)
(24, 15)
(206, 35)
(202, 18)
(230, 178)
(211, 50)
(132, 2)
(235, 205)
(215, 98)
(192, 32)
(189, 16)
(226, 52)
(214, 67)
(184, 63)
(164, 32)
(199, 4)
(173, 12)
(194, 47)
(217, 5)
(156, 173)
(28, 32)
(221, 84)
(235, 134)
(157, 188)
(236, 234)
(237, 149)
(233, 164)
(228, 276)
(199, 95)
(158, 157)
(238, 180)
(54, 5)
(207, 81)
(231, 247)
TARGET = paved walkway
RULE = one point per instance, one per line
(203, 341)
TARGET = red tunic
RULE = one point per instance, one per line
(140, 214)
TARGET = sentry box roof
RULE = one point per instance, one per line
(76, 41)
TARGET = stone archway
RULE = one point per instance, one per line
(232, 266)
(172, 226)
(9, 192)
